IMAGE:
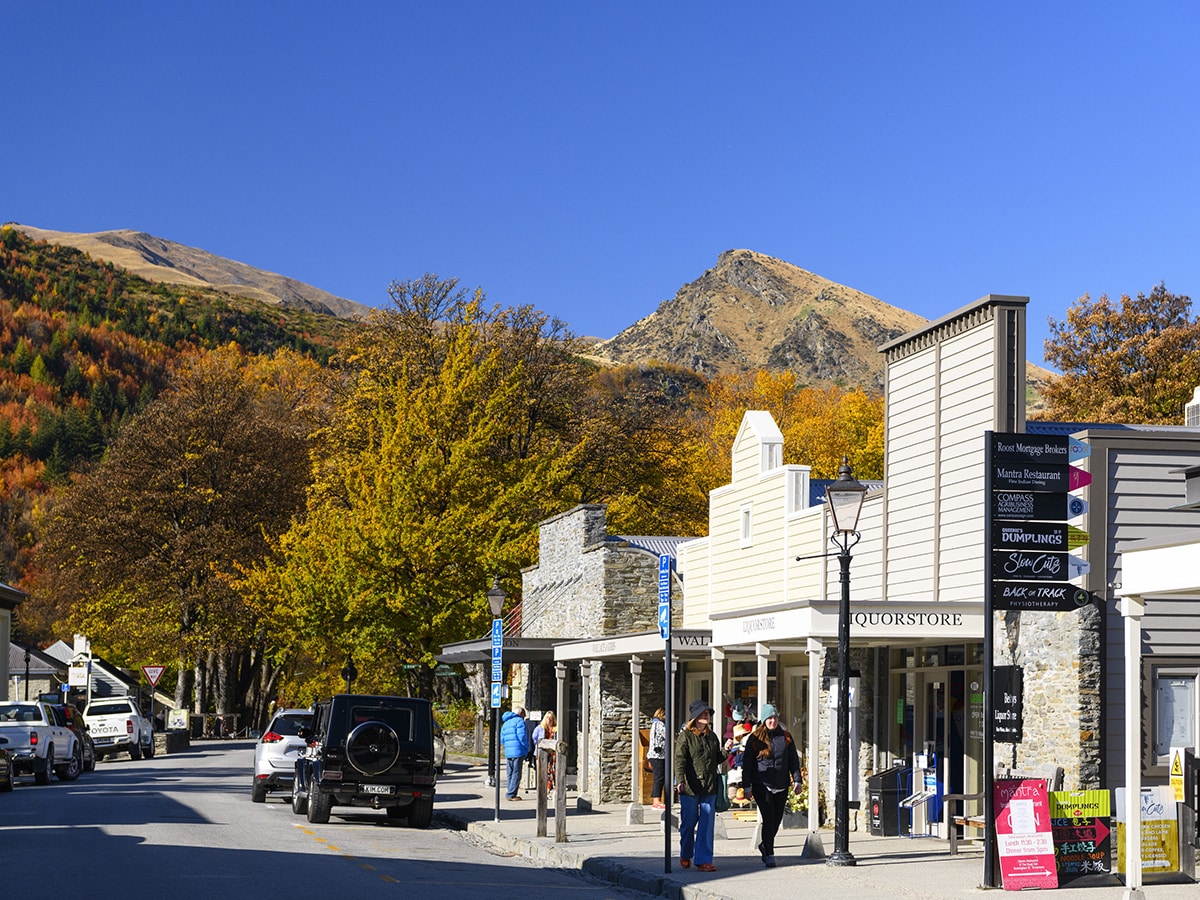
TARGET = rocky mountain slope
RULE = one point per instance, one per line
(752, 311)
(156, 259)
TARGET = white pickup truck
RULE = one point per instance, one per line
(116, 724)
(38, 741)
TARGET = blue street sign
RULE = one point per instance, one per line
(497, 652)
(664, 579)
(496, 693)
(664, 620)
(497, 632)
(1077, 450)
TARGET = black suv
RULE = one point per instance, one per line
(368, 751)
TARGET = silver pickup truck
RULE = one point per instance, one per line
(38, 741)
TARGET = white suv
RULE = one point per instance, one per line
(275, 753)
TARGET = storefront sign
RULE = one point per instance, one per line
(1080, 821)
(1026, 505)
(1008, 722)
(1023, 834)
(1051, 596)
(1161, 856)
(1029, 564)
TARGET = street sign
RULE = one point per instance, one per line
(1024, 564)
(1041, 448)
(664, 621)
(496, 694)
(1046, 507)
(664, 578)
(497, 671)
(497, 632)
(1030, 536)
(153, 673)
(1050, 596)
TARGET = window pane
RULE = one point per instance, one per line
(1176, 708)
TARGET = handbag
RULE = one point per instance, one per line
(722, 802)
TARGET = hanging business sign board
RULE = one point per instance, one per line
(1008, 722)
(1048, 507)
(1024, 836)
(1048, 596)
(1029, 564)
(1082, 835)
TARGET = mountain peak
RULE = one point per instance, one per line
(751, 311)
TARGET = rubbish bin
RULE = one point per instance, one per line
(885, 790)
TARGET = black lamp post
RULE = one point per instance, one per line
(349, 672)
(845, 498)
(496, 598)
(26, 673)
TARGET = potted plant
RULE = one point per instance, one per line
(795, 812)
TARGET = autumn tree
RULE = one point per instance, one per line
(1135, 360)
(144, 548)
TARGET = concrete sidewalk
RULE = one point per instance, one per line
(601, 844)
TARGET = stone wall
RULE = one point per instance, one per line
(610, 768)
(1060, 656)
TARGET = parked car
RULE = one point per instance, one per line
(276, 751)
(372, 751)
(73, 719)
(38, 742)
(439, 748)
(6, 773)
(118, 725)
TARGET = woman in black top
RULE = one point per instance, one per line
(771, 766)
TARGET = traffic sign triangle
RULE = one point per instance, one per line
(1176, 764)
(153, 673)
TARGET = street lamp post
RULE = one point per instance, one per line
(26, 673)
(349, 672)
(845, 498)
(496, 598)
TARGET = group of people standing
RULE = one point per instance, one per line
(770, 767)
(520, 744)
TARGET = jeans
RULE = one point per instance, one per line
(771, 805)
(514, 775)
(696, 819)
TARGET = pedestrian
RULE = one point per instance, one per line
(771, 766)
(698, 758)
(657, 756)
(515, 738)
(546, 729)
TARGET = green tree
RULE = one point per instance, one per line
(1135, 360)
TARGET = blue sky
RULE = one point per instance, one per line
(591, 158)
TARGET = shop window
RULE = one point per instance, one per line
(743, 684)
(1175, 711)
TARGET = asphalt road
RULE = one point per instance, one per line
(183, 827)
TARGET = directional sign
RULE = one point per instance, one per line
(1025, 564)
(497, 692)
(1030, 476)
(1077, 450)
(1046, 507)
(1076, 537)
(1030, 536)
(1078, 478)
(1051, 596)
(153, 673)
(1077, 567)
(1042, 448)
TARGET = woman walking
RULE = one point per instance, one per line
(769, 761)
(698, 757)
(657, 756)
(546, 729)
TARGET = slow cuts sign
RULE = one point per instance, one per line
(1024, 836)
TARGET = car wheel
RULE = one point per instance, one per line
(70, 770)
(373, 748)
(7, 783)
(148, 750)
(258, 792)
(420, 813)
(89, 764)
(299, 800)
(42, 775)
(135, 750)
(319, 804)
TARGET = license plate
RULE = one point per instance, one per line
(375, 789)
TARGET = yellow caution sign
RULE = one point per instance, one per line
(1177, 774)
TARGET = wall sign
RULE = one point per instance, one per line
(1008, 722)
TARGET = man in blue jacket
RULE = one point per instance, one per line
(514, 736)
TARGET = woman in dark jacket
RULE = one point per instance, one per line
(698, 757)
(771, 766)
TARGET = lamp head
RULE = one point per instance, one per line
(845, 497)
(496, 597)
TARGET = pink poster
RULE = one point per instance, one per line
(1024, 836)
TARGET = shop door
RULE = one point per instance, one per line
(950, 727)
